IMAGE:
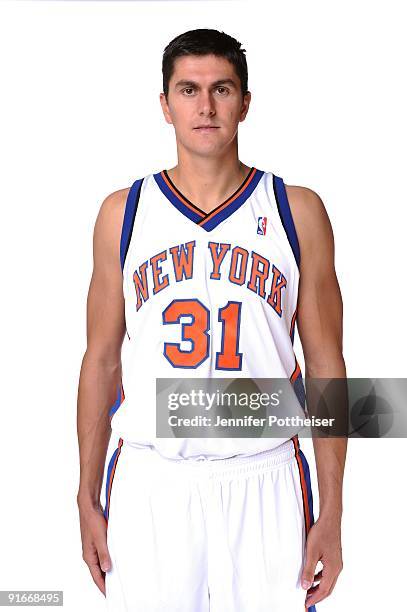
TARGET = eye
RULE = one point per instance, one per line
(223, 89)
(187, 89)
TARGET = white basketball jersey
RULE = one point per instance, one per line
(207, 295)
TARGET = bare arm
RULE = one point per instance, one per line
(100, 377)
(319, 322)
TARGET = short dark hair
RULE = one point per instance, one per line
(205, 42)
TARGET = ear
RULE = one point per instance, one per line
(245, 105)
(165, 108)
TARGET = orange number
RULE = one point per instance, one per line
(197, 332)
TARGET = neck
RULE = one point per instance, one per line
(207, 182)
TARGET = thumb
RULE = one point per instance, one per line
(308, 573)
(101, 546)
(104, 557)
(105, 562)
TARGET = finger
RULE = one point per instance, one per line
(314, 589)
(320, 591)
(333, 585)
(105, 561)
(91, 559)
(334, 573)
(308, 573)
(98, 577)
(100, 542)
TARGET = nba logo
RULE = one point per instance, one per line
(261, 225)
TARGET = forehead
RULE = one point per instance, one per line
(203, 68)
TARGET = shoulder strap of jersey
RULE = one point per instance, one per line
(286, 216)
(128, 220)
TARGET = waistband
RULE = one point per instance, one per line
(262, 461)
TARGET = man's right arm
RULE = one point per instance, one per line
(100, 377)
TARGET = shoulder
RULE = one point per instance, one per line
(112, 207)
(305, 204)
(310, 217)
(109, 220)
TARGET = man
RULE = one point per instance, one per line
(205, 269)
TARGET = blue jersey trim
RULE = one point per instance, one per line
(128, 220)
(307, 476)
(299, 391)
(305, 467)
(208, 221)
(117, 403)
(192, 213)
(109, 478)
(286, 216)
(213, 221)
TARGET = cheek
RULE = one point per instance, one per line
(232, 116)
(181, 116)
(230, 111)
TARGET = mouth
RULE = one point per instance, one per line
(206, 128)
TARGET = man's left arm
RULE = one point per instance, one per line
(319, 321)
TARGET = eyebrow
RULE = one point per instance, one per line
(187, 83)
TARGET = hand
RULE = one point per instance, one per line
(94, 543)
(323, 544)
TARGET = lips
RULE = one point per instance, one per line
(206, 127)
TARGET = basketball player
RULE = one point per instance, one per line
(204, 269)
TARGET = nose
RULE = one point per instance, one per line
(206, 104)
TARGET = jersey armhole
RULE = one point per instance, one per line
(284, 210)
(128, 219)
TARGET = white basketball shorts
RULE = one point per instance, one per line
(222, 535)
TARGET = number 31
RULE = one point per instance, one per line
(228, 358)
